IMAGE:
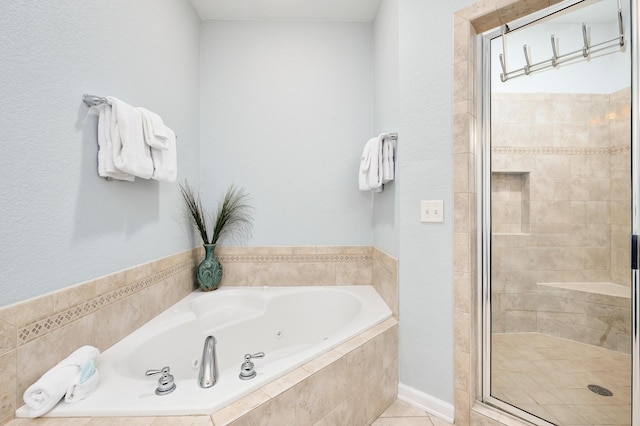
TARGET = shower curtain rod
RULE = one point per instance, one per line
(556, 59)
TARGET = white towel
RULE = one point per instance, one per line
(106, 167)
(165, 162)
(85, 385)
(156, 134)
(45, 393)
(131, 154)
(162, 141)
(388, 165)
(370, 176)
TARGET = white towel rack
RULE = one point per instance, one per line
(92, 100)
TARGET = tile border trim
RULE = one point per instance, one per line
(559, 150)
(60, 319)
(294, 258)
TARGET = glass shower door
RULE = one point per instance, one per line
(558, 187)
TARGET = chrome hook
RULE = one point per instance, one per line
(585, 37)
(503, 74)
(527, 68)
(554, 48)
(503, 56)
(620, 23)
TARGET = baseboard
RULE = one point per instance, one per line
(428, 403)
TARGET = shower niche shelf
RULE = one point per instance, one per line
(510, 203)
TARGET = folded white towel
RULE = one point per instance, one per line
(370, 178)
(131, 154)
(165, 162)
(162, 141)
(156, 134)
(388, 165)
(45, 393)
(106, 167)
(86, 384)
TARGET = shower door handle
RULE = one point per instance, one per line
(634, 252)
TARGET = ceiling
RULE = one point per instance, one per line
(289, 10)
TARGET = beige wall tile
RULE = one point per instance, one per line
(276, 411)
(385, 280)
(22, 313)
(286, 382)
(74, 295)
(353, 273)
(320, 393)
(7, 337)
(8, 378)
(111, 282)
(348, 412)
(236, 410)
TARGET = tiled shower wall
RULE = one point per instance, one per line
(560, 199)
(38, 333)
(620, 193)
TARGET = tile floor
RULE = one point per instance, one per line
(548, 377)
(401, 413)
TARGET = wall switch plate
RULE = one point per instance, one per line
(432, 211)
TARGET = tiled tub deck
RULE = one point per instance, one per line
(102, 311)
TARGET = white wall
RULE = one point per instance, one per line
(425, 172)
(61, 224)
(286, 108)
(385, 219)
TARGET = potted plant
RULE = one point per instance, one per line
(233, 219)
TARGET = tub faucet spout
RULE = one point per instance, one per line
(208, 374)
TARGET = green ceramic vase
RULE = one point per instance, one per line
(209, 273)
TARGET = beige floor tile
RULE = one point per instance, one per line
(563, 371)
(402, 421)
(566, 415)
(403, 409)
(438, 422)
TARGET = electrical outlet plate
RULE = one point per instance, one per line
(432, 211)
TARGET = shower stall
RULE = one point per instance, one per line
(558, 279)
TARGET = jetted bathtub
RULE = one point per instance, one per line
(291, 325)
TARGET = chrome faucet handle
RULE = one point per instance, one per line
(247, 357)
(166, 384)
(246, 369)
(165, 370)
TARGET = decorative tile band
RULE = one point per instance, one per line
(295, 258)
(560, 150)
(60, 319)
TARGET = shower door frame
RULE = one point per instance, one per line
(483, 158)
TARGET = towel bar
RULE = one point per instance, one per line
(92, 100)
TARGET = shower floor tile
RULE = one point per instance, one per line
(548, 377)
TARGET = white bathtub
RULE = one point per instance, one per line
(291, 325)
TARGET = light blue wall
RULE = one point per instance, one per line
(286, 110)
(425, 172)
(386, 119)
(61, 224)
